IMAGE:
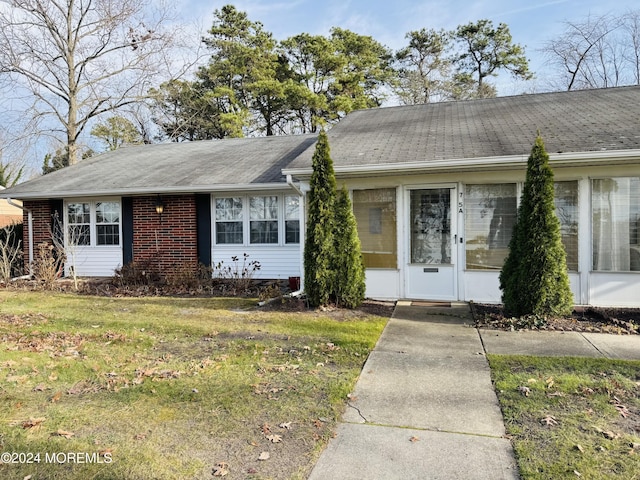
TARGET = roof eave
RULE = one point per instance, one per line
(122, 192)
(474, 164)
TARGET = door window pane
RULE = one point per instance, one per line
(375, 212)
(490, 213)
(430, 212)
(616, 220)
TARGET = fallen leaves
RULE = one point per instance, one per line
(524, 390)
(264, 456)
(62, 433)
(549, 421)
(620, 407)
(274, 438)
(33, 423)
(221, 469)
(608, 434)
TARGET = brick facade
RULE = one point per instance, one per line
(41, 214)
(168, 239)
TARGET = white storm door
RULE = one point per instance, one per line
(432, 254)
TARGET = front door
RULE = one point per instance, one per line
(431, 270)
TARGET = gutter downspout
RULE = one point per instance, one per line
(30, 226)
(300, 291)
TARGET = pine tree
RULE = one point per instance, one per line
(534, 278)
(319, 244)
(349, 266)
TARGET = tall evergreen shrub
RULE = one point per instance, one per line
(349, 266)
(534, 278)
(319, 241)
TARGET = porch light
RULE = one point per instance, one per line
(159, 205)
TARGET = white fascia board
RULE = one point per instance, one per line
(123, 192)
(483, 163)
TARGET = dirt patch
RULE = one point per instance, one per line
(623, 321)
(296, 304)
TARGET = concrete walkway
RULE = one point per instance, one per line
(424, 406)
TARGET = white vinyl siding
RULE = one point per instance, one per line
(93, 233)
(276, 262)
(94, 262)
(265, 232)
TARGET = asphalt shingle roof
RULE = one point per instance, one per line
(175, 167)
(578, 121)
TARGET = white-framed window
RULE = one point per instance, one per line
(229, 220)
(108, 223)
(292, 219)
(93, 223)
(566, 202)
(263, 219)
(490, 215)
(272, 219)
(615, 220)
(375, 211)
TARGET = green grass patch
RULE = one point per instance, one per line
(149, 388)
(571, 417)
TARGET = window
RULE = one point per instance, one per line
(79, 224)
(93, 223)
(430, 214)
(616, 220)
(375, 212)
(228, 220)
(263, 219)
(108, 223)
(292, 219)
(566, 201)
(257, 220)
(490, 214)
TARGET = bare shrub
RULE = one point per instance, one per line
(138, 273)
(239, 274)
(48, 265)
(189, 276)
(273, 290)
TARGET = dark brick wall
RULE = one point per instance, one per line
(169, 239)
(41, 213)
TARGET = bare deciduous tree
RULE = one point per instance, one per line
(78, 59)
(596, 52)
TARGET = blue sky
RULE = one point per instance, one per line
(531, 22)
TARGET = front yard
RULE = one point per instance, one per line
(171, 388)
(176, 388)
(571, 418)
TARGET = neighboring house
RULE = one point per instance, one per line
(435, 192)
(9, 214)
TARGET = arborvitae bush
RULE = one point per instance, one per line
(534, 278)
(319, 241)
(349, 267)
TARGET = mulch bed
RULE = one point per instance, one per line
(622, 321)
